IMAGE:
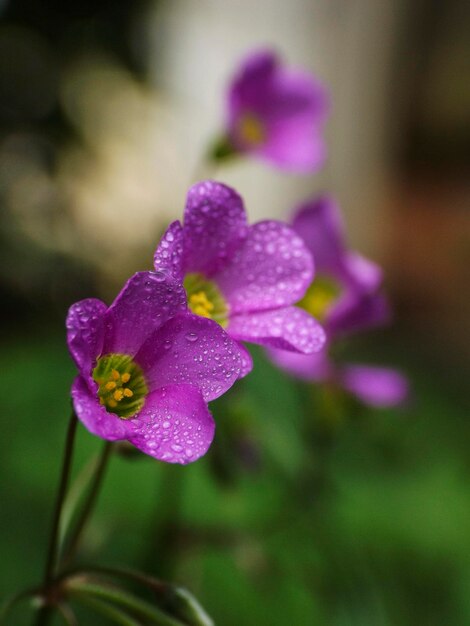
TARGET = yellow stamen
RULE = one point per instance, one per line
(118, 395)
(126, 377)
(110, 386)
(251, 130)
(115, 375)
(112, 403)
(128, 393)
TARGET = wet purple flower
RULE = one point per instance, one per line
(147, 368)
(277, 114)
(345, 297)
(244, 277)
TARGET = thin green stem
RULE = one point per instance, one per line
(12, 602)
(117, 616)
(44, 612)
(128, 601)
(88, 505)
(165, 523)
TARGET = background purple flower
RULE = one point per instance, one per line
(345, 297)
(345, 294)
(277, 114)
(147, 368)
(245, 277)
(379, 387)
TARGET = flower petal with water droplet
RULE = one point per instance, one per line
(201, 354)
(85, 331)
(146, 302)
(175, 425)
(290, 328)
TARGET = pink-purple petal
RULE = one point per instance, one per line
(272, 268)
(379, 387)
(314, 367)
(175, 425)
(94, 416)
(358, 311)
(246, 360)
(214, 226)
(146, 302)
(320, 224)
(169, 254)
(193, 350)
(85, 331)
(295, 147)
(288, 328)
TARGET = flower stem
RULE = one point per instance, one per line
(88, 505)
(44, 611)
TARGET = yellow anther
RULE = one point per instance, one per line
(118, 395)
(128, 393)
(115, 375)
(126, 377)
(200, 304)
(110, 386)
(112, 403)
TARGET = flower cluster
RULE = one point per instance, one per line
(345, 296)
(171, 341)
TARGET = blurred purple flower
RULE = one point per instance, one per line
(379, 387)
(244, 277)
(277, 114)
(147, 368)
(345, 297)
(345, 294)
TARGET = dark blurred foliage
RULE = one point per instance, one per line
(39, 42)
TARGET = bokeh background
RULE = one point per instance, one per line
(363, 517)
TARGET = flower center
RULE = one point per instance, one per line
(320, 297)
(205, 298)
(251, 130)
(122, 387)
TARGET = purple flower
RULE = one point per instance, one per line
(244, 277)
(345, 294)
(147, 368)
(345, 297)
(277, 114)
(379, 387)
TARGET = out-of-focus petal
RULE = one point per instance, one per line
(320, 225)
(94, 416)
(174, 426)
(289, 328)
(358, 311)
(194, 350)
(169, 254)
(314, 367)
(214, 226)
(250, 87)
(295, 147)
(364, 273)
(377, 386)
(272, 268)
(146, 302)
(85, 331)
(246, 361)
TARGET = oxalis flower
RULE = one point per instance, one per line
(244, 277)
(148, 367)
(345, 297)
(277, 114)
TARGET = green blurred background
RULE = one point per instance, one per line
(298, 514)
